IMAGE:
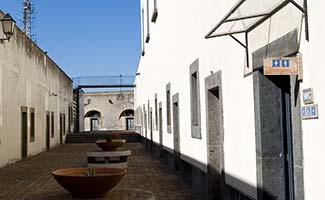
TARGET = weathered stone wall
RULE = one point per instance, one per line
(30, 79)
(110, 105)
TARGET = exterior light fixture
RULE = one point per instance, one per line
(8, 25)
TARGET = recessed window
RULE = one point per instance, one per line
(145, 120)
(142, 35)
(52, 124)
(63, 123)
(149, 117)
(195, 100)
(155, 12)
(32, 125)
(168, 101)
(70, 113)
(156, 112)
(148, 23)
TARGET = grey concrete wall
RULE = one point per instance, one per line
(110, 106)
(29, 78)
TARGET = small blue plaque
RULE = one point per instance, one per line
(303, 112)
(308, 96)
(276, 63)
(285, 63)
(309, 112)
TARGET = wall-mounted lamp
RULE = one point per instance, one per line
(8, 25)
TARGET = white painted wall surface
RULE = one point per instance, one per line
(177, 39)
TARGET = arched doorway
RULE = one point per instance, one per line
(128, 114)
(94, 117)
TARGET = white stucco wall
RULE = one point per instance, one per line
(313, 130)
(27, 78)
(177, 39)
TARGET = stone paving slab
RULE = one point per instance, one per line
(146, 178)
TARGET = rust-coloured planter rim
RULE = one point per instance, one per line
(60, 172)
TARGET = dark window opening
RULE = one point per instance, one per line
(148, 24)
(168, 107)
(156, 112)
(70, 119)
(24, 130)
(63, 115)
(155, 12)
(93, 113)
(149, 116)
(52, 124)
(145, 120)
(194, 99)
(143, 45)
(47, 130)
(32, 125)
(127, 113)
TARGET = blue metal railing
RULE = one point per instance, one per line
(103, 81)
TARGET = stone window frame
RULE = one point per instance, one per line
(32, 119)
(155, 11)
(160, 129)
(141, 115)
(156, 112)
(168, 108)
(148, 23)
(70, 118)
(145, 120)
(149, 116)
(142, 34)
(195, 107)
(63, 123)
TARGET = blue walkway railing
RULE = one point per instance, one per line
(103, 81)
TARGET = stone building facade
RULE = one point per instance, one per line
(35, 100)
(108, 110)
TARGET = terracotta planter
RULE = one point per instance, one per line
(109, 146)
(79, 184)
(115, 136)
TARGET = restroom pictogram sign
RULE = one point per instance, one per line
(281, 66)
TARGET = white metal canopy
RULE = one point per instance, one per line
(248, 14)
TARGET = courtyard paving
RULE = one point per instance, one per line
(146, 178)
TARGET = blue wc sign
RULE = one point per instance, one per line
(309, 111)
(308, 96)
(281, 66)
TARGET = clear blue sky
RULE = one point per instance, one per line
(87, 37)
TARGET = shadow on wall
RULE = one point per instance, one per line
(209, 185)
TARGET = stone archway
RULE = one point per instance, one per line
(128, 116)
(92, 120)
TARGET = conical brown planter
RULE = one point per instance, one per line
(79, 184)
(109, 146)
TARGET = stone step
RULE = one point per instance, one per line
(92, 137)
